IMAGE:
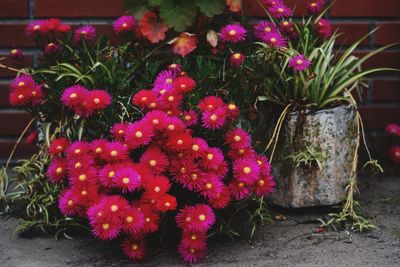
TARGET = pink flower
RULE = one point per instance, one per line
(194, 239)
(190, 118)
(99, 99)
(203, 218)
(233, 33)
(138, 134)
(57, 170)
(287, 27)
(16, 54)
(246, 170)
(52, 48)
(212, 158)
(73, 96)
(67, 205)
(135, 249)
(299, 63)
(315, 6)
(264, 27)
(393, 129)
(124, 24)
(324, 28)
(237, 59)
(132, 220)
(212, 186)
(118, 130)
(86, 33)
(238, 138)
(155, 159)
(274, 39)
(58, 146)
(279, 10)
(394, 154)
(264, 186)
(127, 178)
(239, 190)
(191, 255)
(184, 84)
(36, 27)
(222, 199)
(210, 103)
(213, 119)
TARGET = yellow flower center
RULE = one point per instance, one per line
(209, 185)
(50, 44)
(202, 217)
(232, 32)
(193, 237)
(129, 219)
(14, 51)
(241, 185)
(105, 226)
(247, 170)
(59, 170)
(210, 156)
(195, 147)
(78, 165)
(171, 98)
(241, 151)
(313, 4)
(82, 177)
(84, 193)
(188, 118)
(20, 97)
(124, 25)
(114, 208)
(157, 189)
(237, 138)
(138, 134)
(259, 162)
(73, 96)
(261, 182)
(280, 10)
(147, 219)
(171, 127)
(96, 100)
(180, 142)
(153, 162)
(77, 151)
(36, 27)
(167, 204)
(163, 91)
(194, 176)
(267, 29)
(70, 202)
(20, 84)
(111, 174)
(285, 23)
(183, 170)
(125, 180)
(299, 62)
(33, 93)
(169, 80)
(273, 40)
(155, 122)
(114, 153)
(120, 131)
(134, 247)
(237, 55)
(213, 117)
(59, 148)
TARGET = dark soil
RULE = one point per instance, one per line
(291, 242)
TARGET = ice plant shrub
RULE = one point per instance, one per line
(176, 168)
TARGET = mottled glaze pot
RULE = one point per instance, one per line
(332, 132)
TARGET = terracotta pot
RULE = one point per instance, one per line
(329, 133)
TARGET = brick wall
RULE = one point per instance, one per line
(353, 17)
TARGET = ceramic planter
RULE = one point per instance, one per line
(331, 133)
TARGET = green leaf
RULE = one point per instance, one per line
(178, 16)
(136, 7)
(211, 7)
(155, 2)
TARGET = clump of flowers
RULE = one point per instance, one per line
(124, 196)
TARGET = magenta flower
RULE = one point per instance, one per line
(124, 24)
(35, 27)
(264, 27)
(279, 10)
(87, 33)
(324, 28)
(299, 62)
(287, 27)
(315, 6)
(393, 129)
(52, 48)
(233, 33)
(274, 39)
(16, 54)
(237, 59)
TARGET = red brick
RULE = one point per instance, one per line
(23, 150)
(13, 8)
(252, 8)
(4, 92)
(386, 91)
(351, 33)
(15, 122)
(13, 35)
(12, 63)
(365, 8)
(78, 8)
(379, 116)
(387, 59)
(388, 33)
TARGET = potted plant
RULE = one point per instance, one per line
(315, 142)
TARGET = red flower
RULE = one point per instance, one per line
(152, 27)
(214, 119)
(57, 170)
(138, 134)
(210, 103)
(156, 187)
(134, 249)
(58, 146)
(394, 154)
(166, 203)
(184, 84)
(127, 178)
(194, 239)
(132, 220)
(238, 138)
(31, 138)
(155, 159)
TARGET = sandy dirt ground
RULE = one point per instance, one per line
(284, 243)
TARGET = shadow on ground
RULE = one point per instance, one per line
(284, 243)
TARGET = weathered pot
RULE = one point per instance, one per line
(332, 133)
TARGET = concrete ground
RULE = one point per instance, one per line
(284, 243)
